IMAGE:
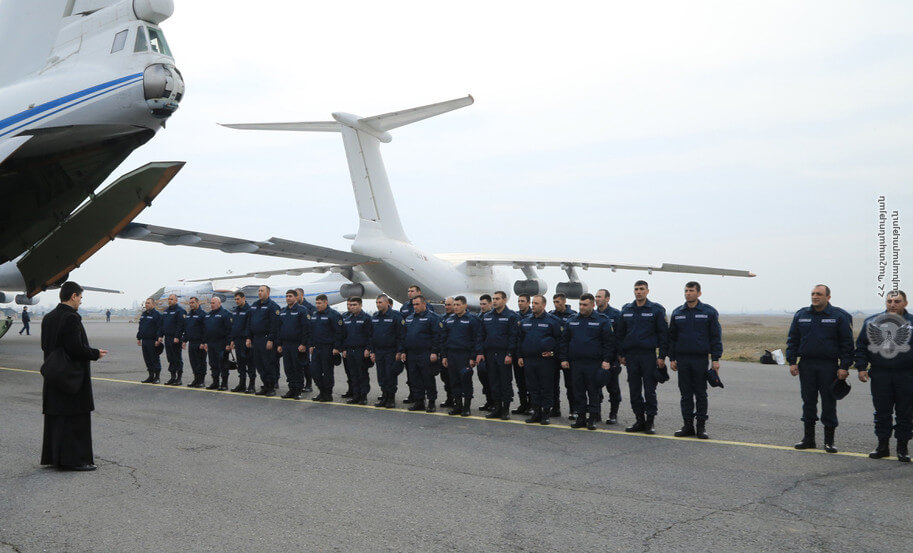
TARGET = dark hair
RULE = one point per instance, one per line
(420, 297)
(641, 283)
(239, 293)
(461, 299)
(900, 293)
(268, 289)
(607, 294)
(384, 297)
(540, 296)
(484, 297)
(68, 289)
(693, 284)
(827, 290)
(524, 296)
(588, 297)
(322, 297)
(356, 299)
(502, 294)
(196, 298)
(292, 292)
(416, 286)
(559, 295)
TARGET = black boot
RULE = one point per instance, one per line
(487, 406)
(391, 401)
(242, 384)
(448, 402)
(419, 405)
(613, 414)
(702, 430)
(545, 417)
(579, 421)
(534, 416)
(307, 385)
(829, 439)
(292, 393)
(149, 379)
(431, 407)
(521, 409)
(903, 454)
(882, 450)
(382, 400)
(347, 395)
(215, 384)
(808, 440)
(466, 407)
(178, 379)
(457, 407)
(505, 411)
(687, 429)
(155, 378)
(199, 382)
(495, 412)
(223, 385)
(555, 411)
(251, 386)
(638, 425)
(170, 380)
(194, 382)
(648, 427)
(270, 390)
(591, 421)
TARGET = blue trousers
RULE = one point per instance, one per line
(520, 378)
(692, 383)
(243, 358)
(816, 376)
(892, 395)
(568, 386)
(218, 367)
(421, 367)
(585, 375)
(642, 382)
(484, 378)
(266, 361)
(500, 376)
(612, 386)
(385, 364)
(357, 371)
(459, 373)
(197, 359)
(174, 356)
(540, 379)
(322, 368)
(152, 360)
(294, 372)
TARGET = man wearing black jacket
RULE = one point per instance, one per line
(67, 423)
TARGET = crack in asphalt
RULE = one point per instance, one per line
(12, 546)
(131, 470)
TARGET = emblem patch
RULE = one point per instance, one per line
(889, 335)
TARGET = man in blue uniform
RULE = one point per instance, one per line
(539, 342)
(173, 333)
(563, 312)
(822, 336)
(305, 357)
(26, 319)
(461, 349)
(482, 367)
(193, 337)
(694, 333)
(587, 350)
(356, 350)
(386, 345)
(612, 386)
(884, 343)
(523, 311)
(264, 329)
(405, 310)
(422, 345)
(240, 333)
(642, 330)
(327, 335)
(445, 374)
(149, 336)
(294, 336)
(500, 330)
(216, 333)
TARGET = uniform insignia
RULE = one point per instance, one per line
(339, 322)
(889, 335)
(441, 325)
(277, 312)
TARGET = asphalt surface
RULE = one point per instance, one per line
(185, 469)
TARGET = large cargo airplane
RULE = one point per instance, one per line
(83, 83)
(381, 249)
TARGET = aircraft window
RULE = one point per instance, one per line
(141, 44)
(119, 40)
(157, 42)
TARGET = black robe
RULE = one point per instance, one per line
(67, 424)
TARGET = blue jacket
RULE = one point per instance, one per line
(173, 321)
(358, 330)
(825, 334)
(524, 314)
(564, 315)
(387, 331)
(264, 320)
(612, 313)
(193, 325)
(540, 334)
(462, 334)
(217, 326)
(588, 338)
(308, 306)
(642, 328)
(406, 309)
(695, 332)
(295, 325)
(327, 329)
(240, 322)
(150, 325)
(500, 331)
(885, 345)
(423, 332)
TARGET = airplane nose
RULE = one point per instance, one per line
(163, 87)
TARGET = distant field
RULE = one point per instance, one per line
(745, 337)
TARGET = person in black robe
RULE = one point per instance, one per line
(67, 424)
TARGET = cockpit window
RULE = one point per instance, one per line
(119, 40)
(157, 42)
(141, 44)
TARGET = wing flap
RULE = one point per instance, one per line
(542, 262)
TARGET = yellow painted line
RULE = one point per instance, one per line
(560, 426)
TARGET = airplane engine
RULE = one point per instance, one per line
(6, 297)
(352, 289)
(22, 299)
(530, 287)
(573, 290)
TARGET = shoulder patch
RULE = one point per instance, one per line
(277, 312)
(339, 322)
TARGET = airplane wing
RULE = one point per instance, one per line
(519, 262)
(279, 272)
(8, 146)
(274, 247)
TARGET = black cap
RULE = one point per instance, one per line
(368, 363)
(337, 359)
(159, 348)
(661, 375)
(840, 388)
(713, 378)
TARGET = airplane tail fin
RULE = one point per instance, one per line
(362, 136)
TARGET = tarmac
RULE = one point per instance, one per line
(185, 469)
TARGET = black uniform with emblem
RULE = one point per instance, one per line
(422, 340)
(500, 330)
(358, 331)
(327, 334)
(193, 335)
(539, 343)
(150, 331)
(587, 343)
(264, 328)
(294, 333)
(641, 331)
(694, 333)
(461, 344)
(563, 316)
(520, 372)
(217, 332)
(173, 332)
(240, 334)
(387, 333)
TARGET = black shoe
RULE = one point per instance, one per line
(251, 388)
(535, 416)
(591, 421)
(292, 393)
(417, 406)
(194, 382)
(572, 416)
(686, 431)
(155, 379)
(448, 402)
(495, 411)
(829, 439)
(701, 431)
(882, 450)
(903, 454)
(521, 409)
(545, 421)
(223, 387)
(648, 426)
(638, 425)
(391, 402)
(457, 407)
(808, 440)
(270, 391)
(170, 380)
(613, 419)
(242, 385)
(579, 421)
(555, 412)
(199, 383)
(362, 400)
(79, 468)
(214, 385)
(381, 401)
(308, 389)
(486, 406)
(328, 397)
(262, 391)
(466, 411)
(347, 395)
(178, 380)
(408, 400)
(351, 401)
(148, 380)
(505, 411)
(381, 396)
(431, 408)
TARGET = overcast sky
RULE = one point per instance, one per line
(744, 136)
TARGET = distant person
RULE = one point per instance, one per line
(216, 333)
(67, 417)
(423, 343)
(355, 354)
(523, 311)
(240, 334)
(264, 328)
(461, 347)
(26, 318)
(694, 333)
(539, 342)
(481, 366)
(819, 350)
(149, 336)
(563, 312)
(612, 385)
(588, 351)
(108, 316)
(386, 347)
(193, 338)
(173, 334)
(327, 334)
(642, 330)
(294, 335)
(500, 328)
(884, 345)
